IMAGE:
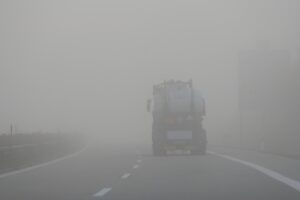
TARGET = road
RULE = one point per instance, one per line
(130, 172)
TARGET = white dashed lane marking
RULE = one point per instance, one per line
(136, 166)
(102, 192)
(125, 176)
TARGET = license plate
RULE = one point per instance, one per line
(179, 135)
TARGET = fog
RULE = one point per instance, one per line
(89, 66)
(76, 77)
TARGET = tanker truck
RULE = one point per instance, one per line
(178, 111)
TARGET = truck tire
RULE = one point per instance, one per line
(158, 150)
(199, 150)
(157, 146)
(155, 149)
(196, 151)
(203, 149)
(201, 146)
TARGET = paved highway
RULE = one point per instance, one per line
(131, 173)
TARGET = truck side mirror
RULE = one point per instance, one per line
(149, 105)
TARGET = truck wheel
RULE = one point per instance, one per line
(158, 150)
(196, 151)
(155, 150)
(157, 143)
(200, 150)
(163, 151)
(202, 146)
(203, 149)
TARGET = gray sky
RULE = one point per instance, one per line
(90, 65)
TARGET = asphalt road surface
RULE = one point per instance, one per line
(132, 173)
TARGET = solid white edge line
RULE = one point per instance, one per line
(125, 176)
(42, 165)
(136, 166)
(275, 175)
(102, 192)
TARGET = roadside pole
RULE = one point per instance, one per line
(11, 146)
(11, 137)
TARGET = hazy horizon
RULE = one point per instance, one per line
(89, 66)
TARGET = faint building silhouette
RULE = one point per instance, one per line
(268, 100)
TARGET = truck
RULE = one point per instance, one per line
(178, 111)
